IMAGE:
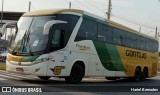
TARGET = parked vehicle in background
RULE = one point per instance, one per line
(3, 53)
(159, 62)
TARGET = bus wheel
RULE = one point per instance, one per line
(144, 74)
(44, 77)
(137, 74)
(76, 75)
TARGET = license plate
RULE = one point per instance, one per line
(19, 69)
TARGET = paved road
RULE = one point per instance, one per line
(89, 86)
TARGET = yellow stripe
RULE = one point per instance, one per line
(130, 63)
(84, 49)
(2, 67)
(14, 58)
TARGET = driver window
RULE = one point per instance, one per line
(56, 38)
(57, 41)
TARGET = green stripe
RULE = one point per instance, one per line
(109, 56)
(29, 58)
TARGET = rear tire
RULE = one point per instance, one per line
(137, 75)
(144, 74)
(76, 75)
(44, 77)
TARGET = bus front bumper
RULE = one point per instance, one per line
(39, 69)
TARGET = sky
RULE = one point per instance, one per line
(131, 13)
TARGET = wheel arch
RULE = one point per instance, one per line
(79, 62)
(147, 70)
(145, 67)
(139, 67)
(77, 73)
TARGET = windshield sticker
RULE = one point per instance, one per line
(35, 42)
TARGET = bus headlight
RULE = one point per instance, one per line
(36, 61)
(40, 60)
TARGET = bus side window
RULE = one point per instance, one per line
(88, 30)
(131, 40)
(140, 42)
(148, 45)
(69, 27)
(104, 33)
(118, 37)
(155, 46)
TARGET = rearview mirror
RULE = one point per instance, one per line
(49, 24)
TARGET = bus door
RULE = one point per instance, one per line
(57, 63)
(57, 55)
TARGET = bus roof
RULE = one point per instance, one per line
(59, 11)
(51, 11)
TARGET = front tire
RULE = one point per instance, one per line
(76, 75)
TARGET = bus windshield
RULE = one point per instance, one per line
(30, 38)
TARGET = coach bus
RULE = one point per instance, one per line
(72, 44)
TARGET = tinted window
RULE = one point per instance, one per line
(148, 44)
(68, 28)
(131, 40)
(118, 36)
(104, 33)
(88, 30)
(155, 46)
(56, 38)
(60, 33)
(141, 42)
(112, 35)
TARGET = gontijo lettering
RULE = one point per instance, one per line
(136, 54)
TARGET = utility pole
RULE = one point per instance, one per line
(109, 10)
(70, 5)
(2, 17)
(156, 33)
(2, 12)
(29, 8)
(158, 36)
(140, 29)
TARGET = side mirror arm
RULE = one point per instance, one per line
(49, 24)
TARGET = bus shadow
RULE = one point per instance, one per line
(124, 82)
(91, 86)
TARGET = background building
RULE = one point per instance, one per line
(4, 40)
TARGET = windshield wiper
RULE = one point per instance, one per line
(29, 45)
(24, 41)
(19, 43)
